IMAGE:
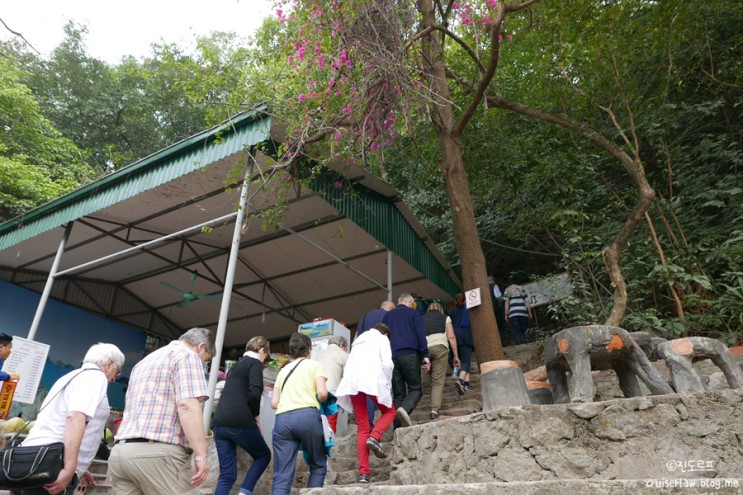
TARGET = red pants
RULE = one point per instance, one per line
(362, 422)
(333, 422)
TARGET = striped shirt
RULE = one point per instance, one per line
(166, 376)
(517, 304)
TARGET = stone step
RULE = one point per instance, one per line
(423, 416)
(717, 486)
(456, 401)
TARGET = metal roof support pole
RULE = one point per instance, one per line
(141, 247)
(336, 258)
(389, 275)
(226, 294)
(49, 282)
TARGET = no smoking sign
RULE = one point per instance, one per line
(472, 298)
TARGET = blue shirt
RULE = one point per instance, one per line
(463, 331)
(456, 314)
(407, 333)
(4, 376)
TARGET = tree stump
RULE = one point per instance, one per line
(679, 355)
(540, 393)
(503, 385)
(579, 350)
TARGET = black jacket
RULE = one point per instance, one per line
(240, 402)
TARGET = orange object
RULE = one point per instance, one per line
(682, 346)
(6, 397)
(535, 385)
(615, 344)
(496, 365)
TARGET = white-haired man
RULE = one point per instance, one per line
(333, 359)
(163, 421)
(75, 412)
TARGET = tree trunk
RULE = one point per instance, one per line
(474, 272)
(634, 168)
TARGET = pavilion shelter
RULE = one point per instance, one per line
(215, 232)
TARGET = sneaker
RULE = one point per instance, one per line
(467, 387)
(402, 416)
(364, 478)
(434, 415)
(460, 387)
(373, 445)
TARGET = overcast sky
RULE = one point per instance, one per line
(118, 28)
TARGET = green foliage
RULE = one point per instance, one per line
(37, 164)
(122, 113)
(539, 191)
(546, 201)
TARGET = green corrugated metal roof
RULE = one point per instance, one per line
(376, 213)
(180, 159)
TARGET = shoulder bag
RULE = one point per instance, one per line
(33, 466)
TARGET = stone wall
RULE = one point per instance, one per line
(657, 437)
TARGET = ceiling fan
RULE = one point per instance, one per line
(190, 296)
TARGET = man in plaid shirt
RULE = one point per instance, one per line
(163, 424)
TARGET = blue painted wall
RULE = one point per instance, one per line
(70, 332)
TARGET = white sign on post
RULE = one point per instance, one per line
(27, 358)
(472, 298)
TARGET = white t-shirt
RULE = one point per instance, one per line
(86, 393)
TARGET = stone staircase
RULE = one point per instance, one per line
(642, 445)
(343, 465)
(562, 437)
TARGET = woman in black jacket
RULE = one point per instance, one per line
(236, 419)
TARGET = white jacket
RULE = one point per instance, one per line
(368, 369)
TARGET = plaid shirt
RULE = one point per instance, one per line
(157, 383)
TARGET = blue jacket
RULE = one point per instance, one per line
(370, 319)
(463, 331)
(3, 375)
(407, 333)
(456, 314)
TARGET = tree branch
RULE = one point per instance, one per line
(630, 113)
(715, 79)
(454, 37)
(15, 33)
(636, 171)
(489, 73)
(520, 6)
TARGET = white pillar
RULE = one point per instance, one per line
(226, 295)
(49, 282)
